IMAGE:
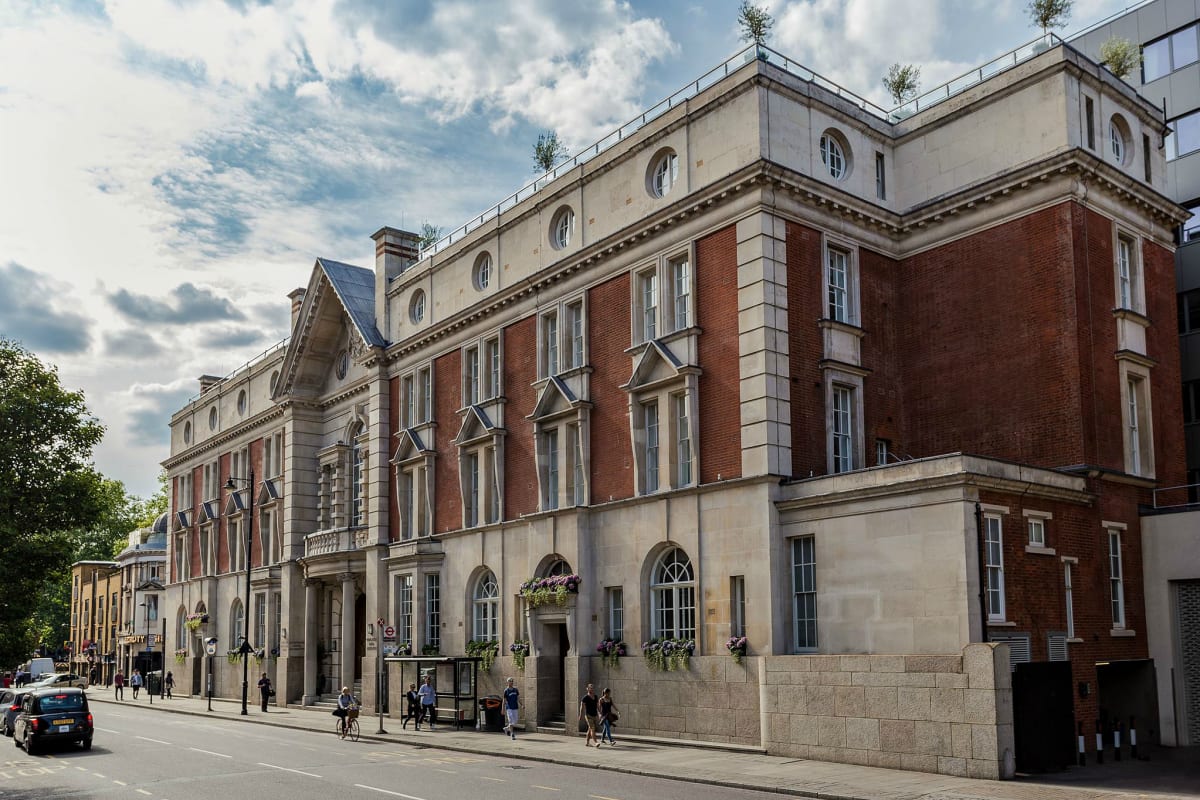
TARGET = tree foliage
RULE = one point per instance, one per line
(902, 82)
(1047, 14)
(1120, 56)
(48, 485)
(755, 22)
(430, 233)
(548, 151)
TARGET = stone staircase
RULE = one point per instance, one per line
(329, 701)
(556, 724)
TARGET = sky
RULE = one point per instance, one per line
(170, 169)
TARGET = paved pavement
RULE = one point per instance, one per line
(743, 768)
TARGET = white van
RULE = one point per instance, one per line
(39, 666)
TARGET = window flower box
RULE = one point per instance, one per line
(611, 651)
(485, 649)
(737, 647)
(519, 650)
(668, 654)
(553, 589)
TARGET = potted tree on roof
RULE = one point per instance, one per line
(755, 22)
(902, 82)
(1047, 14)
(1120, 56)
(547, 153)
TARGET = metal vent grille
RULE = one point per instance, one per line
(1056, 646)
(1018, 647)
(1188, 610)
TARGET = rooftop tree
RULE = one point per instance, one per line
(755, 22)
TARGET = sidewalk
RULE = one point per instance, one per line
(736, 768)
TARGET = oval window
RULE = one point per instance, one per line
(187, 433)
(343, 364)
(664, 171)
(416, 307)
(1118, 139)
(483, 271)
(561, 228)
(212, 418)
(834, 155)
(274, 381)
(241, 403)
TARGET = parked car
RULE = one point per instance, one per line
(61, 679)
(10, 706)
(53, 715)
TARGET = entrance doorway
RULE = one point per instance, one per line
(551, 680)
(1043, 716)
(360, 634)
(196, 671)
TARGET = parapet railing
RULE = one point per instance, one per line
(722, 71)
(249, 363)
(1177, 496)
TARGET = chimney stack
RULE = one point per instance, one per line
(207, 382)
(395, 251)
(297, 298)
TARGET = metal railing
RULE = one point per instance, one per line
(247, 365)
(1177, 496)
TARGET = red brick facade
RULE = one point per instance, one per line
(612, 451)
(720, 389)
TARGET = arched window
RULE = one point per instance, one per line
(237, 624)
(181, 632)
(673, 596)
(558, 567)
(357, 480)
(486, 607)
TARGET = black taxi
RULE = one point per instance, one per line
(53, 715)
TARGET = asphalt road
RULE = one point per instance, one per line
(139, 753)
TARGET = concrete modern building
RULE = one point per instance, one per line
(1168, 35)
(95, 618)
(880, 391)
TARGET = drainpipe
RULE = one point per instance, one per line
(982, 554)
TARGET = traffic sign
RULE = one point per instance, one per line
(389, 634)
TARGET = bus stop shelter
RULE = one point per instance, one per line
(455, 682)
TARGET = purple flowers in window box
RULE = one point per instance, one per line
(668, 654)
(611, 650)
(737, 646)
(552, 589)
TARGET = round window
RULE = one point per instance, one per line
(241, 403)
(187, 433)
(483, 271)
(416, 307)
(1118, 139)
(834, 155)
(343, 364)
(212, 418)
(274, 381)
(562, 227)
(664, 171)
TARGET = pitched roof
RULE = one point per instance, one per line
(355, 287)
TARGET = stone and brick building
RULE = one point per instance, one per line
(881, 391)
(95, 619)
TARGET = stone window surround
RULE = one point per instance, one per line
(662, 266)
(416, 408)
(996, 512)
(1137, 288)
(563, 336)
(850, 249)
(484, 379)
(847, 376)
(663, 390)
(1044, 517)
(413, 463)
(486, 442)
(1137, 371)
(485, 606)
(572, 415)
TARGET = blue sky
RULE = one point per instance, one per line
(170, 169)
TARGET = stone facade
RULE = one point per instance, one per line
(772, 364)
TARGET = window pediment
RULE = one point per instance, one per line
(236, 504)
(271, 492)
(183, 520)
(410, 447)
(208, 511)
(476, 425)
(656, 364)
(556, 398)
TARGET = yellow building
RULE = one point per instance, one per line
(95, 618)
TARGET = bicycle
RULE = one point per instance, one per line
(347, 727)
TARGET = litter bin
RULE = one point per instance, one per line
(154, 683)
(491, 713)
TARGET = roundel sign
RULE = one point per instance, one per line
(211, 648)
(389, 632)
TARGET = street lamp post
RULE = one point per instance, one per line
(149, 648)
(245, 649)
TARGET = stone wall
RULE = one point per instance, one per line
(949, 714)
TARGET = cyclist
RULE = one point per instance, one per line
(346, 702)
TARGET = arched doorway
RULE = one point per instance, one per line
(360, 634)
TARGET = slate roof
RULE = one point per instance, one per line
(355, 287)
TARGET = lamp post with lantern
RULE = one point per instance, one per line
(245, 649)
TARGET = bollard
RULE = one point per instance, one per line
(1133, 738)
(1082, 748)
(1117, 728)
(1099, 743)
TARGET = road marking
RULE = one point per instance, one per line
(142, 791)
(120, 783)
(497, 780)
(156, 741)
(108, 730)
(82, 769)
(601, 797)
(547, 788)
(447, 771)
(209, 752)
(98, 775)
(386, 791)
(288, 769)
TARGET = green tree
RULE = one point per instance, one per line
(1047, 14)
(1120, 56)
(548, 151)
(48, 485)
(755, 22)
(430, 233)
(902, 82)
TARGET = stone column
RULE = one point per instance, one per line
(347, 644)
(311, 587)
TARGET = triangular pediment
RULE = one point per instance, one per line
(183, 520)
(476, 424)
(269, 492)
(555, 398)
(209, 511)
(236, 503)
(656, 363)
(409, 444)
(337, 315)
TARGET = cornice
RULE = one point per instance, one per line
(224, 437)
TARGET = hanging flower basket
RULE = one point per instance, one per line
(554, 589)
(181, 655)
(737, 646)
(668, 654)
(194, 621)
(404, 649)
(519, 650)
(611, 651)
(259, 655)
(485, 649)
(233, 656)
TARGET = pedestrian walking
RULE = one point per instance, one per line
(264, 689)
(169, 684)
(428, 696)
(588, 711)
(512, 704)
(608, 715)
(413, 709)
(136, 682)
(119, 685)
